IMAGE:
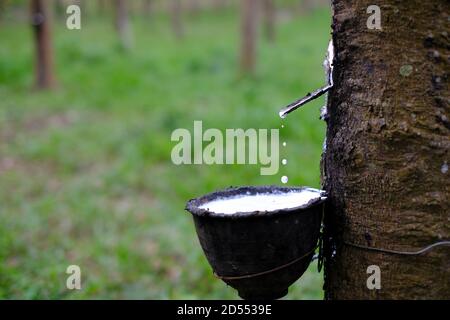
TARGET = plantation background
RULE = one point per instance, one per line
(85, 170)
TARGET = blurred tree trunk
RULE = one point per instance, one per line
(123, 24)
(388, 141)
(148, 7)
(193, 6)
(102, 6)
(177, 25)
(306, 6)
(134, 8)
(249, 21)
(269, 19)
(220, 4)
(41, 21)
(2, 9)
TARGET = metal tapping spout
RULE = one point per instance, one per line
(328, 65)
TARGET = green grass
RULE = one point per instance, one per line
(85, 170)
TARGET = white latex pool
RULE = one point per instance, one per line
(262, 201)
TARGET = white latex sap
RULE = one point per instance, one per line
(262, 201)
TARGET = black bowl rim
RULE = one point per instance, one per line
(193, 205)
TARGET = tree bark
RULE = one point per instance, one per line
(248, 35)
(41, 21)
(123, 24)
(388, 140)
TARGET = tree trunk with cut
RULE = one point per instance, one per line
(41, 22)
(388, 140)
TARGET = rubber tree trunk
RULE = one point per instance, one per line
(123, 24)
(41, 22)
(249, 22)
(388, 141)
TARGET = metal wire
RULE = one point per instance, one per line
(317, 256)
(407, 253)
(266, 272)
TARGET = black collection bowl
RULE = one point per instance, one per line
(260, 253)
